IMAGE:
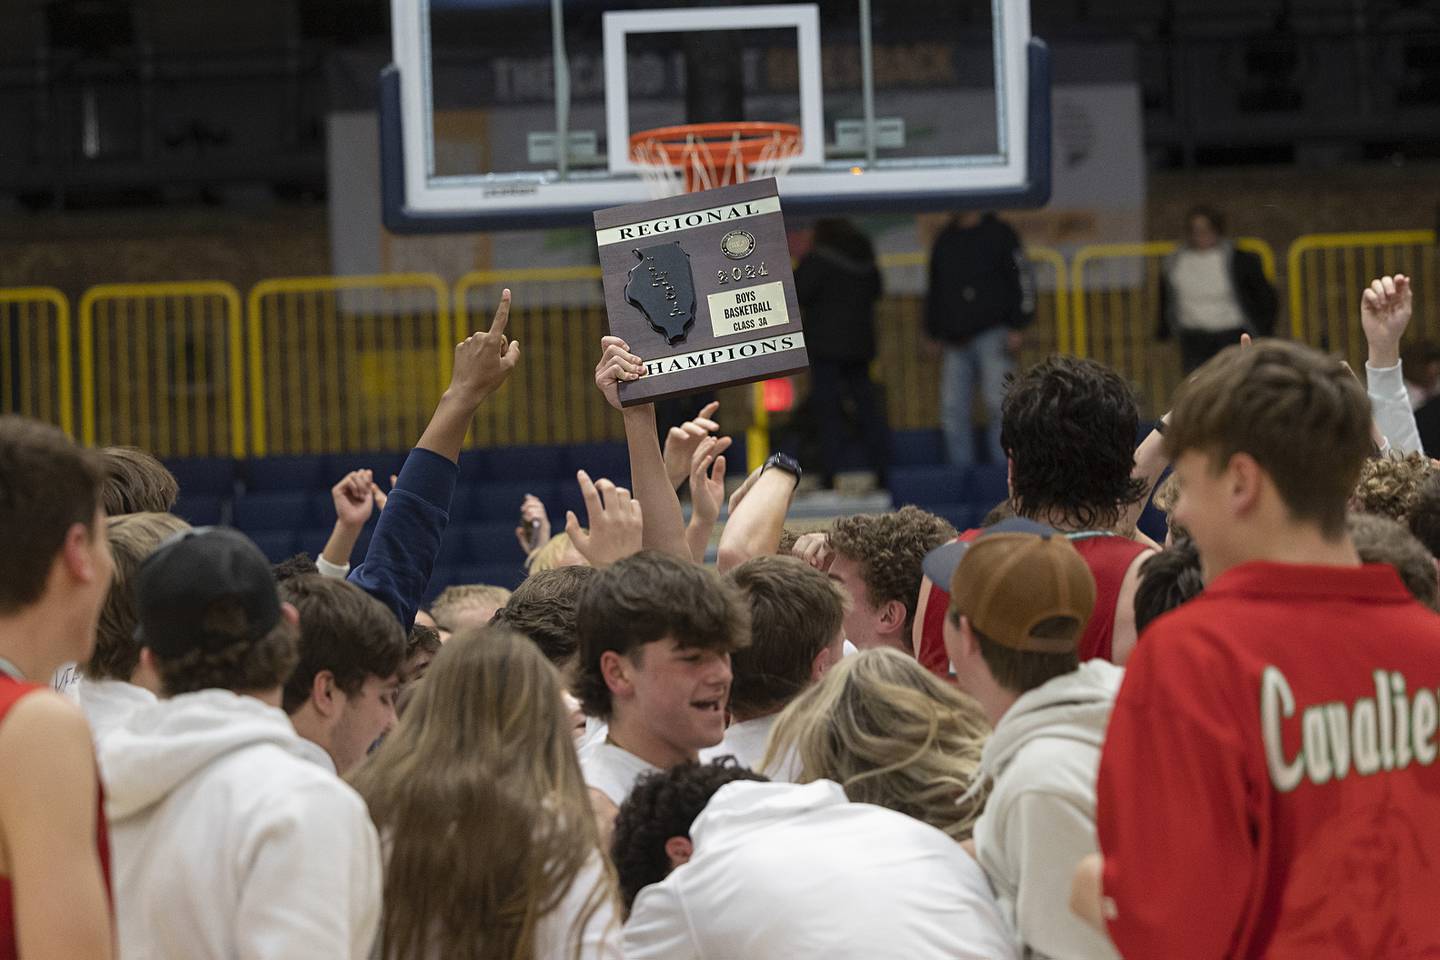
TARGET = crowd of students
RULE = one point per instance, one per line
(1050, 736)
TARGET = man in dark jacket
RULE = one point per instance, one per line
(837, 284)
(1210, 292)
(981, 297)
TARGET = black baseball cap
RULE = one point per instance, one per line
(181, 584)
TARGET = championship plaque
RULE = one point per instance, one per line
(699, 287)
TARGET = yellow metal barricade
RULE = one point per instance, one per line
(1330, 271)
(909, 367)
(1115, 313)
(341, 364)
(161, 367)
(35, 339)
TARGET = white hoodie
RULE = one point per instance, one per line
(1039, 820)
(229, 842)
(782, 871)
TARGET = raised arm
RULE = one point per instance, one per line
(681, 443)
(1385, 310)
(757, 516)
(402, 552)
(48, 817)
(355, 500)
(664, 523)
(707, 489)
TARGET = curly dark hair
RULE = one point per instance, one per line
(664, 805)
(343, 630)
(545, 608)
(245, 666)
(1069, 426)
(296, 566)
(645, 598)
(1167, 580)
(890, 549)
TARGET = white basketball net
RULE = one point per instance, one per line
(705, 165)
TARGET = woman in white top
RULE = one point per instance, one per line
(491, 850)
(890, 733)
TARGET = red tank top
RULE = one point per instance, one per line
(1108, 556)
(10, 693)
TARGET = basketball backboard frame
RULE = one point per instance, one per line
(415, 201)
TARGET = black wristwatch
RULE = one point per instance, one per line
(783, 461)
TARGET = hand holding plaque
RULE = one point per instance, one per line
(698, 289)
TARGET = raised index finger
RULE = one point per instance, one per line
(502, 314)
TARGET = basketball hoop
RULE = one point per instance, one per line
(701, 156)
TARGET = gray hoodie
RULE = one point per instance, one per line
(230, 838)
(1039, 820)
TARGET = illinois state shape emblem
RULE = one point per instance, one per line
(662, 287)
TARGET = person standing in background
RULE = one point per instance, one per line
(1211, 292)
(837, 284)
(981, 297)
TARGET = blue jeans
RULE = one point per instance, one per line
(986, 361)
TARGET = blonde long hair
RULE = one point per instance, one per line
(890, 733)
(479, 797)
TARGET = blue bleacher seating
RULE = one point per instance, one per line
(986, 484)
(927, 485)
(962, 516)
(384, 463)
(275, 544)
(269, 474)
(494, 543)
(917, 448)
(199, 510)
(516, 464)
(609, 460)
(274, 511)
(204, 476)
(496, 502)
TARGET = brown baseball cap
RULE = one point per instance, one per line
(1007, 583)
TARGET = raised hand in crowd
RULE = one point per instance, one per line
(682, 442)
(707, 490)
(757, 516)
(1385, 309)
(534, 530)
(814, 549)
(356, 497)
(664, 523)
(483, 362)
(616, 528)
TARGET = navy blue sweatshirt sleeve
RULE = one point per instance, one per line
(402, 552)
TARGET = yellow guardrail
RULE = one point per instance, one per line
(1114, 311)
(35, 332)
(1329, 271)
(342, 364)
(161, 368)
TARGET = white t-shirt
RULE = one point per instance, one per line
(1204, 298)
(600, 938)
(783, 871)
(745, 741)
(611, 770)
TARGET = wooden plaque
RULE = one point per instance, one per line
(699, 286)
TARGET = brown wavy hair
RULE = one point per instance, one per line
(479, 797)
(890, 549)
(891, 733)
(133, 537)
